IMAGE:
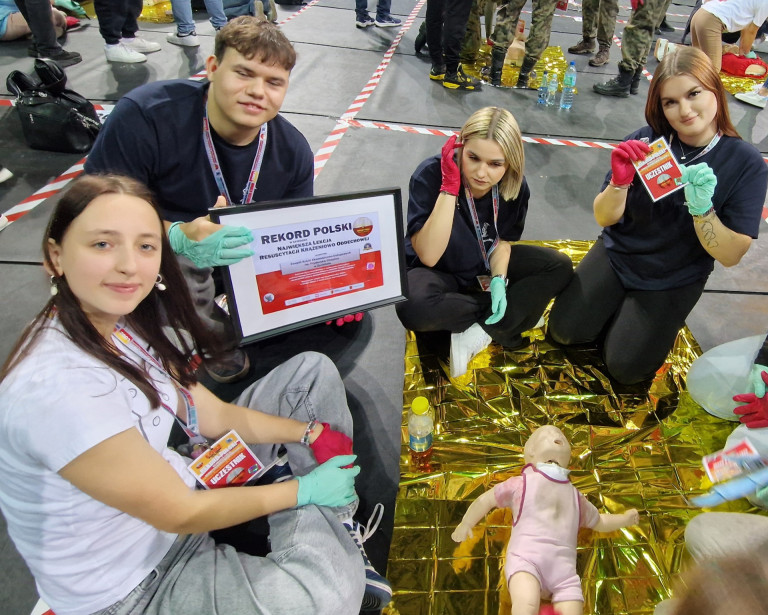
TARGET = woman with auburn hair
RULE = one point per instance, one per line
(465, 206)
(638, 283)
(103, 511)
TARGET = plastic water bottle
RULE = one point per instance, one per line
(569, 83)
(542, 99)
(421, 425)
(552, 90)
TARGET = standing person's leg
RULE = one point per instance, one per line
(538, 38)
(590, 300)
(362, 17)
(216, 14)
(589, 11)
(606, 26)
(636, 42)
(434, 21)
(130, 29)
(644, 330)
(504, 32)
(38, 15)
(535, 275)
(454, 27)
(185, 35)
(706, 34)
(473, 38)
(384, 18)
(436, 303)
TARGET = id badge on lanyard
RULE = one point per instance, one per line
(476, 223)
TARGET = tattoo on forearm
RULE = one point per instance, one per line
(708, 234)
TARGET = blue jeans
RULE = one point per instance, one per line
(382, 8)
(182, 14)
(314, 565)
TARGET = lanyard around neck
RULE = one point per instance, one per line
(476, 222)
(715, 140)
(137, 350)
(213, 160)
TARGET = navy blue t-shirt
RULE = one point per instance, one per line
(462, 256)
(155, 135)
(654, 246)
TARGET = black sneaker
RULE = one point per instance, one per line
(378, 592)
(233, 367)
(460, 81)
(437, 73)
(63, 57)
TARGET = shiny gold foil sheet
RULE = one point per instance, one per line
(552, 60)
(633, 446)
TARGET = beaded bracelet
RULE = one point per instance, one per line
(308, 432)
(705, 214)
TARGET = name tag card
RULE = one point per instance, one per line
(659, 171)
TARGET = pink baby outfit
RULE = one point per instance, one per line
(547, 514)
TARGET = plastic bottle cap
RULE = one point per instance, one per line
(420, 405)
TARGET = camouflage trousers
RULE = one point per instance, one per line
(541, 26)
(638, 34)
(599, 20)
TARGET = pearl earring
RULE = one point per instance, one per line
(54, 287)
(159, 283)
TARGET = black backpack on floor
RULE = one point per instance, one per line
(53, 118)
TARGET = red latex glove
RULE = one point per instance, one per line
(636, 3)
(449, 168)
(348, 318)
(754, 413)
(621, 160)
(330, 443)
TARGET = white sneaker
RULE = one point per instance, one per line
(465, 346)
(5, 174)
(139, 44)
(123, 53)
(184, 40)
(660, 49)
(752, 98)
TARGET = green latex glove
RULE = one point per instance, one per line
(760, 498)
(751, 55)
(218, 249)
(498, 301)
(700, 187)
(756, 379)
(329, 484)
(70, 6)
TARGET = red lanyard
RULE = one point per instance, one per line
(213, 160)
(476, 222)
(131, 345)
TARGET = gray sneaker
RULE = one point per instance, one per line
(184, 40)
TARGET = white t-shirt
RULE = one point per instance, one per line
(55, 405)
(738, 14)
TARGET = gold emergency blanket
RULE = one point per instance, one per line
(632, 447)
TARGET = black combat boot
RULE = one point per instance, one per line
(525, 71)
(497, 65)
(618, 86)
(634, 87)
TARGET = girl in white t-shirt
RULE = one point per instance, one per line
(103, 512)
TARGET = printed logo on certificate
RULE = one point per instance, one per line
(659, 171)
(227, 463)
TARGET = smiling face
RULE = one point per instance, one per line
(244, 94)
(548, 445)
(482, 165)
(690, 109)
(110, 257)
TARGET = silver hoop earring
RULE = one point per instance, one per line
(54, 287)
(159, 283)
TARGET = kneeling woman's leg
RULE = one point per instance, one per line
(534, 276)
(437, 302)
(594, 294)
(643, 332)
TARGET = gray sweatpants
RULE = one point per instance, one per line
(314, 566)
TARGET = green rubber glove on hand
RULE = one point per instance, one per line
(218, 249)
(498, 301)
(700, 188)
(329, 484)
(756, 379)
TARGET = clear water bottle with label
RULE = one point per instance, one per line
(569, 84)
(542, 99)
(421, 426)
(552, 89)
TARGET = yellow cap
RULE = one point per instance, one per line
(420, 405)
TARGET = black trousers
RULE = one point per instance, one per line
(437, 301)
(635, 328)
(37, 14)
(446, 23)
(117, 19)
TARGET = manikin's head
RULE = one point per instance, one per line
(548, 445)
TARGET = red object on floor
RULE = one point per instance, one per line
(738, 65)
(72, 23)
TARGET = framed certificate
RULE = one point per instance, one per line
(314, 260)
